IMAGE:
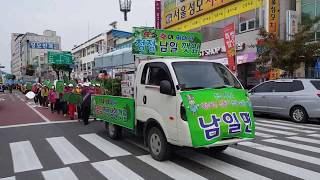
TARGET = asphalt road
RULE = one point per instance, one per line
(68, 150)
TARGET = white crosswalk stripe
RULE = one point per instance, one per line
(223, 167)
(66, 151)
(282, 152)
(260, 134)
(114, 170)
(302, 139)
(59, 174)
(9, 178)
(288, 123)
(276, 131)
(293, 145)
(284, 128)
(314, 135)
(171, 169)
(24, 157)
(105, 146)
(273, 164)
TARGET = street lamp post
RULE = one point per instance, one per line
(125, 7)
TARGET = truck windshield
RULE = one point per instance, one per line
(200, 75)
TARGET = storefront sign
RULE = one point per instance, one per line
(214, 115)
(216, 15)
(218, 50)
(158, 14)
(292, 24)
(229, 35)
(185, 10)
(156, 42)
(43, 45)
(168, 5)
(113, 109)
(273, 17)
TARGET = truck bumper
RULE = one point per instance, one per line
(227, 142)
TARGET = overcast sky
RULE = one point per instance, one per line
(69, 18)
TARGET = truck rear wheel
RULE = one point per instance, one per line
(113, 131)
(159, 148)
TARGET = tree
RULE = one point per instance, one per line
(30, 70)
(288, 55)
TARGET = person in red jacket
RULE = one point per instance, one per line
(71, 107)
(52, 96)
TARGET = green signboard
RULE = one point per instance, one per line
(113, 109)
(157, 42)
(216, 114)
(59, 86)
(28, 86)
(72, 98)
(59, 57)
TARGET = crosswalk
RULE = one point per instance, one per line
(286, 150)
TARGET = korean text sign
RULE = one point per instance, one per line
(189, 9)
(229, 41)
(215, 114)
(116, 110)
(273, 17)
(60, 57)
(156, 42)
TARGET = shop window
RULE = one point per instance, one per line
(247, 26)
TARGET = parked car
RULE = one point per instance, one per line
(298, 99)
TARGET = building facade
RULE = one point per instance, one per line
(84, 55)
(30, 50)
(211, 17)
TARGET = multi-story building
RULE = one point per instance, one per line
(211, 17)
(85, 53)
(30, 50)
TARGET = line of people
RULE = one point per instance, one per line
(45, 96)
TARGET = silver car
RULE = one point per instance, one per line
(298, 99)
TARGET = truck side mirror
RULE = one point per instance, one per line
(166, 88)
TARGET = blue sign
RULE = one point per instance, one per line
(317, 67)
(43, 45)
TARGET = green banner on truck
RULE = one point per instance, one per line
(116, 110)
(217, 114)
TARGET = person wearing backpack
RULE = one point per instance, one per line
(52, 97)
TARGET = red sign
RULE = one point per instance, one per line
(229, 41)
(158, 14)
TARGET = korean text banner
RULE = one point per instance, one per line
(217, 15)
(156, 42)
(274, 17)
(60, 57)
(215, 114)
(229, 35)
(116, 110)
(189, 9)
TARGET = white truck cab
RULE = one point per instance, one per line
(160, 86)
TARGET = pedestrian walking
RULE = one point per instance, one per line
(52, 99)
(86, 107)
(78, 91)
(71, 107)
(45, 96)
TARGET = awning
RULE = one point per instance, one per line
(118, 58)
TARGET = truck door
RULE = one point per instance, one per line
(152, 104)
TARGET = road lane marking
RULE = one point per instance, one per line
(114, 170)
(24, 157)
(66, 151)
(171, 169)
(273, 164)
(221, 166)
(314, 135)
(37, 112)
(264, 135)
(276, 131)
(285, 128)
(36, 124)
(289, 123)
(105, 146)
(59, 174)
(9, 178)
(293, 145)
(282, 152)
(302, 139)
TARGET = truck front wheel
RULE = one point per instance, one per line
(158, 146)
(113, 131)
